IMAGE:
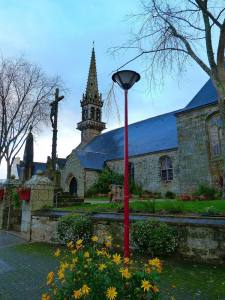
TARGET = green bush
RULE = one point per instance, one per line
(155, 238)
(170, 195)
(135, 189)
(72, 228)
(15, 200)
(207, 191)
(105, 179)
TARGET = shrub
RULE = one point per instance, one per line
(105, 179)
(207, 191)
(155, 238)
(15, 200)
(170, 195)
(71, 228)
(135, 188)
(96, 273)
(211, 211)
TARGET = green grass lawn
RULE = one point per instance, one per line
(180, 279)
(157, 206)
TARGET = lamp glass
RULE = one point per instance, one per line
(126, 78)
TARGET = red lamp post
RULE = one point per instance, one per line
(126, 79)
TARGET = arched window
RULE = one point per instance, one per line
(166, 168)
(92, 113)
(215, 135)
(98, 115)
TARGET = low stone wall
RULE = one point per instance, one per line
(199, 242)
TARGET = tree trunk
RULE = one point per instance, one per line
(222, 113)
(9, 169)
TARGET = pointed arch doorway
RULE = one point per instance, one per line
(73, 186)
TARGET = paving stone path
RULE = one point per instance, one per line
(22, 273)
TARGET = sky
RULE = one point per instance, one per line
(58, 36)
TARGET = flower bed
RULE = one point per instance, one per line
(95, 272)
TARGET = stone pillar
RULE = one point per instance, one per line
(10, 185)
(42, 194)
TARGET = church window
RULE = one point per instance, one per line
(166, 168)
(84, 114)
(98, 114)
(92, 113)
(215, 135)
(131, 171)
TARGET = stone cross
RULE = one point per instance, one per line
(54, 119)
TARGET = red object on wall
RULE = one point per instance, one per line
(24, 194)
(2, 192)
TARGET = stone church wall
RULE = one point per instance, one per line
(91, 178)
(147, 171)
(194, 159)
(72, 169)
(85, 178)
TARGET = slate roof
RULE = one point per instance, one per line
(151, 135)
(206, 96)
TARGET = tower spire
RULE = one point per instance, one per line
(92, 83)
(91, 124)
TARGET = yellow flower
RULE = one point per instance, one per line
(155, 262)
(94, 238)
(61, 274)
(126, 260)
(77, 294)
(109, 237)
(102, 267)
(45, 297)
(75, 260)
(86, 254)
(57, 253)
(108, 244)
(74, 251)
(99, 252)
(111, 293)
(155, 289)
(50, 278)
(117, 258)
(148, 270)
(85, 289)
(79, 243)
(70, 244)
(64, 266)
(125, 273)
(146, 285)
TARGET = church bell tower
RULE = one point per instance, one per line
(91, 103)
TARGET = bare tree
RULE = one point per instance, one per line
(172, 32)
(25, 93)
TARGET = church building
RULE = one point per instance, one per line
(176, 151)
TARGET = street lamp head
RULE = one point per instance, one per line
(126, 78)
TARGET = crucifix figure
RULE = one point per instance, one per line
(54, 118)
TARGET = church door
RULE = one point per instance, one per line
(73, 186)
